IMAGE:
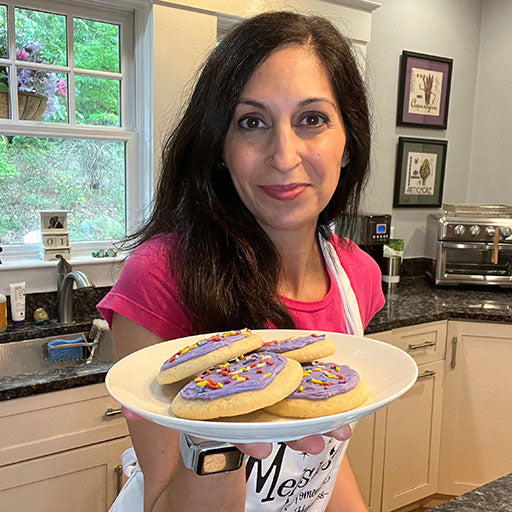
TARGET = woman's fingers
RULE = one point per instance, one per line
(312, 444)
(256, 450)
(315, 444)
(130, 415)
(341, 434)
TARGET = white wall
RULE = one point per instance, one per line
(450, 28)
(491, 166)
(437, 27)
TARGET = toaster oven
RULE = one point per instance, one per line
(470, 244)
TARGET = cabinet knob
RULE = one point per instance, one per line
(453, 362)
(112, 412)
(118, 470)
(416, 346)
(426, 374)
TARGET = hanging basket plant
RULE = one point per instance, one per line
(31, 106)
(4, 105)
(37, 88)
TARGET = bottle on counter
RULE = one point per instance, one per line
(3, 312)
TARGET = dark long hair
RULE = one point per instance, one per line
(227, 268)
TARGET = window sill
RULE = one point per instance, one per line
(40, 276)
(74, 262)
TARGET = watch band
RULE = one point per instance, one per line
(209, 457)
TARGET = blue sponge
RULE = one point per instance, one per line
(68, 353)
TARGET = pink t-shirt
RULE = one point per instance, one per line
(147, 293)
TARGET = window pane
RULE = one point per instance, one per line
(84, 176)
(4, 92)
(97, 101)
(96, 45)
(42, 96)
(4, 50)
(40, 37)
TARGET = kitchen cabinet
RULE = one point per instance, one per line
(395, 452)
(366, 449)
(412, 439)
(60, 451)
(81, 480)
(413, 421)
(476, 444)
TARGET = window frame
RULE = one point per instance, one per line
(134, 19)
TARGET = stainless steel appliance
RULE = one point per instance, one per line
(373, 231)
(471, 244)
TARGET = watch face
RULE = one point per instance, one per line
(217, 460)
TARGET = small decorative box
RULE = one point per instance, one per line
(54, 221)
(51, 254)
(55, 241)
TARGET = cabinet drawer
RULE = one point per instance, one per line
(425, 342)
(52, 422)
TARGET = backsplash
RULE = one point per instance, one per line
(84, 303)
(414, 267)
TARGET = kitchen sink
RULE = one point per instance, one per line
(31, 356)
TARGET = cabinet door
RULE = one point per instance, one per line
(366, 449)
(411, 455)
(39, 425)
(424, 342)
(80, 480)
(476, 436)
(365, 453)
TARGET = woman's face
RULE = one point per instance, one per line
(285, 142)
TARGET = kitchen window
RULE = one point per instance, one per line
(71, 121)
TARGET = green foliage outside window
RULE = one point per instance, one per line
(3, 32)
(85, 176)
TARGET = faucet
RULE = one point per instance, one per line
(65, 277)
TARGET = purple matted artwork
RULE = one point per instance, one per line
(424, 90)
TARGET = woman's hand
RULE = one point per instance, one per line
(313, 444)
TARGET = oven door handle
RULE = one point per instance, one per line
(480, 245)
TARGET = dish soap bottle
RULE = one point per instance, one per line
(3, 312)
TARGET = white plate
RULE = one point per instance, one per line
(388, 371)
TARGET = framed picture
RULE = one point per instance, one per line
(54, 221)
(419, 177)
(424, 90)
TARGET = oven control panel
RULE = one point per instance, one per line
(475, 232)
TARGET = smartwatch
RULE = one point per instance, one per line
(210, 457)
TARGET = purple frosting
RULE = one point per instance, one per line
(246, 373)
(205, 346)
(341, 378)
(281, 346)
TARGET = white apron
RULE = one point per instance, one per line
(307, 481)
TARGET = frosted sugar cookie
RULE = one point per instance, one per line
(208, 352)
(243, 385)
(326, 388)
(302, 348)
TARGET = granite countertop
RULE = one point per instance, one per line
(495, 496)
(417, 301)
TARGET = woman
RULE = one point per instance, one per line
(274, 146)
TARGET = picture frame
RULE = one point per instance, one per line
(54, 221)
(420, 170)
(424, 90)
